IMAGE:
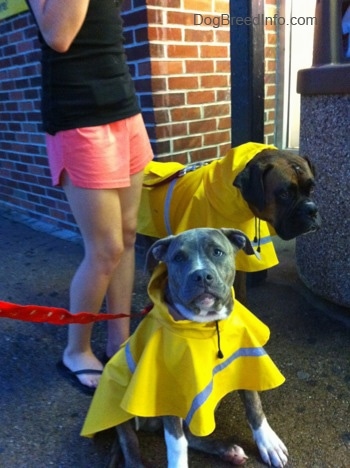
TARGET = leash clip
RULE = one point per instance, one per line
(191, 168)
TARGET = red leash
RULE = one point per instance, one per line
(56, 315)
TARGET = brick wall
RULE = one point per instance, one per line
(182, 77)
(270, 71)
(185, 86)
(25, 182)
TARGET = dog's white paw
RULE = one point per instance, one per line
(271, 448)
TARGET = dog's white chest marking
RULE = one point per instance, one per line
(176, 450)
(271, 448)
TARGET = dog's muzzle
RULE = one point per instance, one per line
(304, 218)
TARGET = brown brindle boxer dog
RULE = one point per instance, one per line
(253, 181)
(278, 186)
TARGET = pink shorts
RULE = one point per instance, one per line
(101, 157)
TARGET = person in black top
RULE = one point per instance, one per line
(97, 147)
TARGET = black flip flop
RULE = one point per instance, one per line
(73, 379)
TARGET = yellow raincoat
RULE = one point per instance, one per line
(170, 367)
(205, 197)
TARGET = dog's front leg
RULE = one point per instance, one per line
(129, 445)
(271, 448)
(176, 442)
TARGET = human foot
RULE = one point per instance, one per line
(73, 377)
(78, 363)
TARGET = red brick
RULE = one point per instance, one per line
(182, 51)
(199, 35)
(214, 81)
(270, 52)
(160, 33)
(161, 116)
(223, 95)
(169, 99)
(271, 38)
(269, 25)
(166, 67)
(216, 137)
(214, 51)
(270, 90)
(224, 123)
(158, 84)
(171, 131)
(221, 6)
(170, 156)
(183, 18)
(186, 113)
(187, 143)
(202, 126)
(155, 50)
(270, 65)
(270, 78)
(224, 148)
(270, 115)
(270, 103)
(222, 35)
(199, 66)
(269, 128)
(197, 5)
(183, 82)
(200, 97)
(203, 154)
(216, 110)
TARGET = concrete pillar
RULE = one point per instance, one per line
(323, 258)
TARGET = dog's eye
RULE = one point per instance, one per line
(218, 253)
(179, 257)
(284, 195)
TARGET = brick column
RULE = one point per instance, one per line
(184, 85)
(270, 72)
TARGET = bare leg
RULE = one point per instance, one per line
(98, 214)
(119, 293)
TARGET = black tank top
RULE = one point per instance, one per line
(90, 84)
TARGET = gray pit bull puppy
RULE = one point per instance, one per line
(201, 271)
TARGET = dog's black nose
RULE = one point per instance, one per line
(311, 209)
(202, 276)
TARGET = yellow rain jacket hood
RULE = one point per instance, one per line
(170, 367)
(205, 197)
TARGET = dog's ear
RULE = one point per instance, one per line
(251, 184)
(239, 240)
(156, 253)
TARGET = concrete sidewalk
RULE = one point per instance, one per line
(41, 414)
